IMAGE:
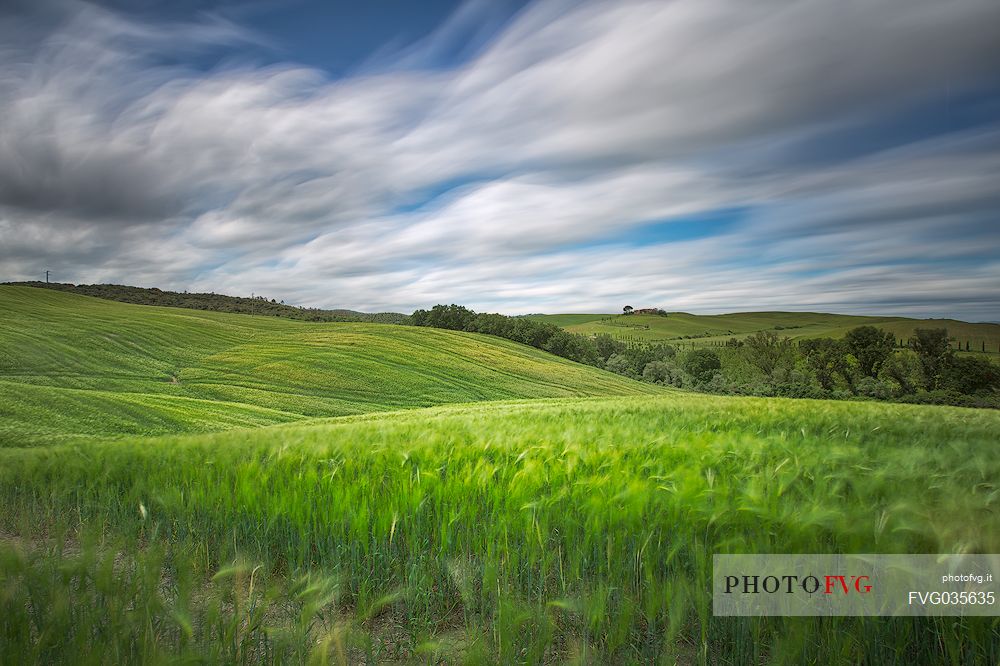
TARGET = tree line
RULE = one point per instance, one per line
(865, 364)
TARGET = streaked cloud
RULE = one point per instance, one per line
(510, 178)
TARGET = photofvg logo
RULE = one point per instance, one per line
(790, 584)
(866, 584)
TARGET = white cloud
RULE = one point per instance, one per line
(581, 120)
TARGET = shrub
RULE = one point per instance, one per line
(661, 372)
(968, 375)
(870, 387)
(620, 364)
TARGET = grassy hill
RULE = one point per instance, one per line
(570, 515)
(258, 305)
(77, 366)
(699, 330)
(540, 531)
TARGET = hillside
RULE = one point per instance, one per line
(500, 533)
(258, 305)
(581, 522)
(701, 330)
(77, 366)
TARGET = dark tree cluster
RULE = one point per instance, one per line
(602, 351)
(536, 334)
(865, 364)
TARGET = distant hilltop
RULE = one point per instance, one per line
(258, 305)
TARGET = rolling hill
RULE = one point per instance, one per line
(76, 366)
(258, 305)
(569, 515)
(699, 330)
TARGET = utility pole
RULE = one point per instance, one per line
(46, 277)
(251, 303)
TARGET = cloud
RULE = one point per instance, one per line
(508, 180)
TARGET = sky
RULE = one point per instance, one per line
(509, 155)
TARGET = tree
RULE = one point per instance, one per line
(492, 324)
(532, 333)
(702, 364)
(606, 346)
(574, 347)
(627, 309)
(931, 345)
(826, 358)
(419, 317)
(871, 347)
(905, 369)
(663, 351)
(970, 375)
(453, 317)
(769, 352)
(661, 372)
(620, 365)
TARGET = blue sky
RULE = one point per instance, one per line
(514, 156)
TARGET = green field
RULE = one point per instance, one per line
(570, 519)
(75, 366)
(508, 533)
(701, 330)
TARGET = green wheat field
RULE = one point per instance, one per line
(196, 487)
(692, 331)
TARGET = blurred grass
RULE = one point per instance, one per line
(526, 532)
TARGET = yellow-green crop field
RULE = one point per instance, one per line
(566, 515)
